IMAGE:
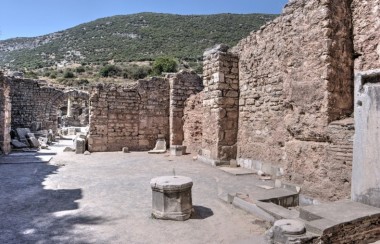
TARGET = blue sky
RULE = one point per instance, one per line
(26, 18)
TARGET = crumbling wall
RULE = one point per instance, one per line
(192, 123)
(5, 115)
(182, 86)
(366, 34)
(79, 106)
(220, 106)
(296, 77)
(32, 102)
(129, 116)
(363, 230)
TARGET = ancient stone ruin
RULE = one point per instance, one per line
(280, 102)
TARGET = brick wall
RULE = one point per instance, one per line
(129, 116)
(192, 123)
(364, 230)
(295, 79)
(220, 106)
(32, 102)
(366, 34)
(182, 86)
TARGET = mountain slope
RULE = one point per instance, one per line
(142, 36)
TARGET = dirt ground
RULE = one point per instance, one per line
(106, 198)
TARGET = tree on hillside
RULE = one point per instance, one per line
(164, 64)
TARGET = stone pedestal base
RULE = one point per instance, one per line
(171, 197)
(176, 150)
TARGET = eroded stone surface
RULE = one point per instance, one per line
(171, 197)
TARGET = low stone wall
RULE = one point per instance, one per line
(365, 230)
(5, 115)
(129, 116)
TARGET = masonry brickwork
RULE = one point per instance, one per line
(363, 230)
(366, 32)
(129, 116)
(220, 106)
(192, 123)
(5, 115)
(295, 79)
(281, 100)
(182, 86)
(34, 101)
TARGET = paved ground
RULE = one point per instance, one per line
(106, 198)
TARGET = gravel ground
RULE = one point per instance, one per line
(106, 198)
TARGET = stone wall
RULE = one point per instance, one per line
(295, 79)
(129, 116)
(192, 123)
(35, 101)
(182, 86)
(339, 158)
(5, 115)
(32, 102)
(79, 111)
(366, 34)
(364, 230)
(220, 106)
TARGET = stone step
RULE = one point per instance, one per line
(277, 211)
(237, 170)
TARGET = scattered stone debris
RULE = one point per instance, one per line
(18, 144)
(87, 153)
(69, 149)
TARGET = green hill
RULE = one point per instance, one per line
(125, 38)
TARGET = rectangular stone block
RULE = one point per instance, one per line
(80, 146)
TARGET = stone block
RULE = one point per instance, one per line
(171, 197)
(18, 144)
(34, 142)
(80, 146)
(125, 150)
(176, 150)
(71, 131)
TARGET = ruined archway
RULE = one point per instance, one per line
(69, 108)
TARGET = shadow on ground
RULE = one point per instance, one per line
(201, 212)
(31, 214)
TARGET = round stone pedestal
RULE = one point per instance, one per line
(171, 197)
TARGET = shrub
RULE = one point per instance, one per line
(137, 72)
(164, 64)
(109, 71)
(53, 74)
(68, 74)
(31, 75)
(80, 69)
